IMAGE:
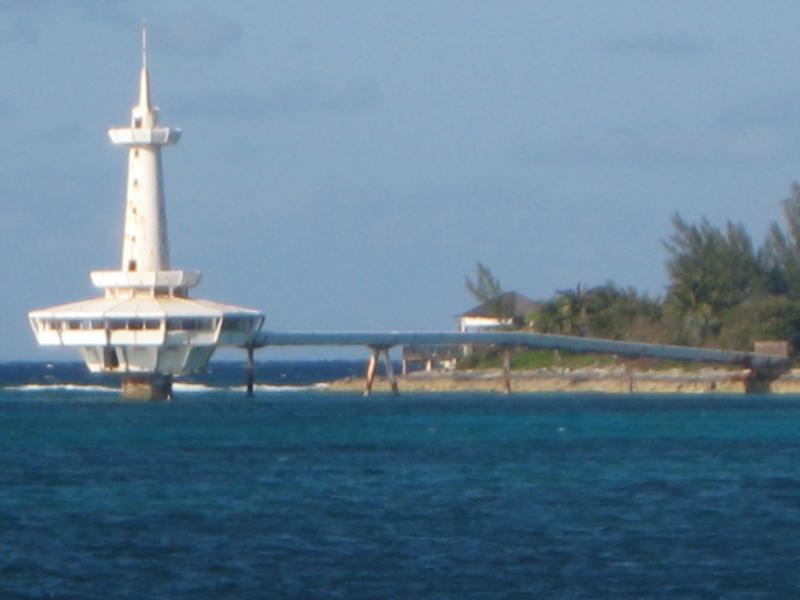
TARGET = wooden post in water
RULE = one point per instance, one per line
(390, 372)
(250, 372)
(628, 378)
(507, 370)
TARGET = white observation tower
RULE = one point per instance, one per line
(145, 327)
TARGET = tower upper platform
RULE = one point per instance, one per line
(144, 130)
(152, 136)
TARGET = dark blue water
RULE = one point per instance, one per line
(310, 494)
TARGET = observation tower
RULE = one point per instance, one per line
(145, 327)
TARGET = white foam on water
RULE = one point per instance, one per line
(193, 388)
(178, 387)
(60, 387)
(199, 388)
(263, 387)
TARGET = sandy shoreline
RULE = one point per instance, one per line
(611, 380)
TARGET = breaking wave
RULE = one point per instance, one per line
(179, 388)
(199, 388)
(288, 388)
(60, 387)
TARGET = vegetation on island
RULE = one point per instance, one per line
(486, 286)
(723, 291)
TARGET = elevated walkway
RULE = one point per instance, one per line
(762, 367)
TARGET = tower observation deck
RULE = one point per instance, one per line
(145, 327)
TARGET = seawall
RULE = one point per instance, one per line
(596, 379)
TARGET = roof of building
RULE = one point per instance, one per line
(141, 307)
(507, 304)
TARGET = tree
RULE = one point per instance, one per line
(781, 253)
(621, 313)
(765, 317)
(486, 286)
(565, 314)
(606, 311)
(572, 310)
(710, 272)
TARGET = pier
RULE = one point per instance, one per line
(760, 368)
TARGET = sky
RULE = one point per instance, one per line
(344, 165)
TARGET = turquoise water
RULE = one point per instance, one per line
(309, 494)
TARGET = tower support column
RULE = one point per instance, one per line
(147, 386)
(372, 370)
(390, 372)
(250, 371)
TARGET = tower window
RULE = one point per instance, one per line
(136, 152)
(137, 122)
(131, 265)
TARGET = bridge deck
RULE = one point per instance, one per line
(388, 339)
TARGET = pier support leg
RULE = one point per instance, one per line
(390, 372)
(372, 369)
(250, 372)
(507, 370)
(759, 382)
(628, 378)
(147, 386)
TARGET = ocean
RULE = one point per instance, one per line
(304, 493)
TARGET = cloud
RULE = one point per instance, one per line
(354, 96)
(766, 110)
(24, 6)
(18, 19)
(113, 13)
(687, 146)
(197, 34)
(668, 45)
(102, 10)
(30, 20)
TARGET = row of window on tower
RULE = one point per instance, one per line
(231, 323)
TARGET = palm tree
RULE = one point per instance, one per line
(486, 286)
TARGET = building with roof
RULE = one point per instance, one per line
(507, 310)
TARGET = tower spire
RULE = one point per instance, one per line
(144, 44)
(144, 77)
